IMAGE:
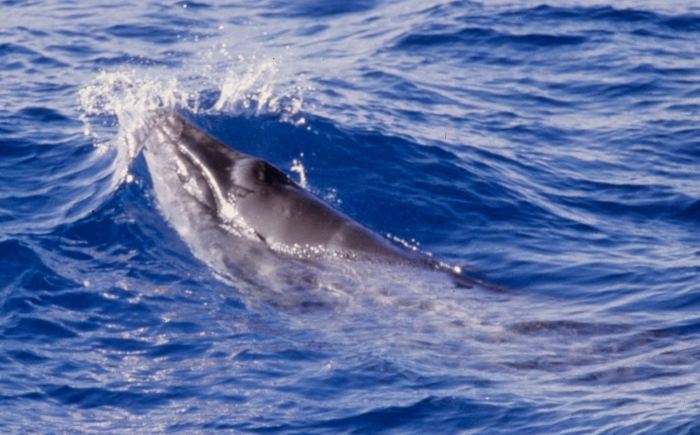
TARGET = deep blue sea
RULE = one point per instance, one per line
(552, 150)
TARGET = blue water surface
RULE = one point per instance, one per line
(552, 150)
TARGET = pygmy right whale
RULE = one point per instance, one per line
(252, 198)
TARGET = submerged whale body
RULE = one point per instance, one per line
(250, 197)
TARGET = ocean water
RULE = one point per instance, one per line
(550, 149)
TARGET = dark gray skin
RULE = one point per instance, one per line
(278, 209)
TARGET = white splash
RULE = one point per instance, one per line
(298, 167)
(248, 88)
(253, 92)
(129, 97)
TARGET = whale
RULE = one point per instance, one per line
(234, 193)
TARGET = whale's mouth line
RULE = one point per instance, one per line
(221, 202)
(225, 207)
